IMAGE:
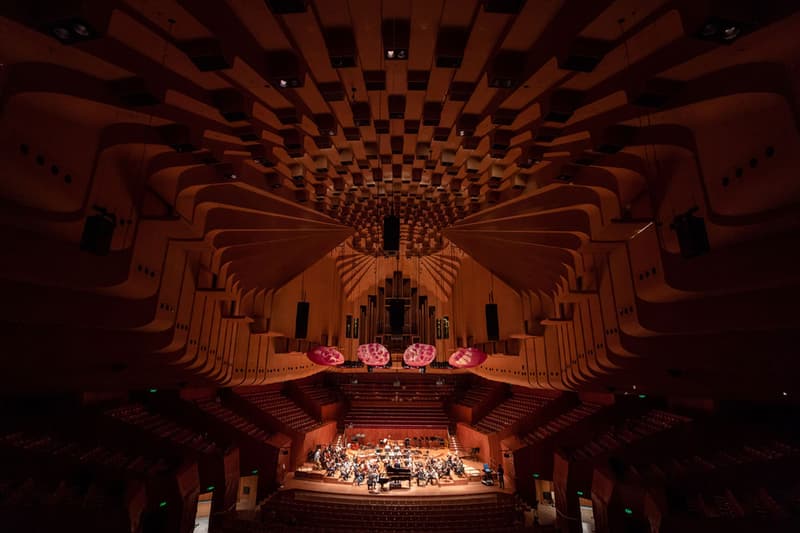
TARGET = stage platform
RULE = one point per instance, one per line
(348, 489)
(308, 479)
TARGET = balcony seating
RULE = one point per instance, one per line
(399, 417)
(561, 423)
(49, 504)
(318, 392)
(519, 406)
(284, 409)
(233, 419)
(40, 447)
(630, 431)
(675, 469)
(155, 424)
(475, 396)
(381, 391)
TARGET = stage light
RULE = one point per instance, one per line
(61, 33)
(81, 29)
(71, 31)
(731, 32)
(389, 54)
(283, 83)
(722, 31)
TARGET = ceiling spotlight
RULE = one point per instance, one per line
(461, 133)
(71, 31)
(283, 83)
(723, 31)
(709, 30)
(61, 33)
(785, 394)
(81, 29)
(731, 32)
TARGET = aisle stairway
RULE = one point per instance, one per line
(455, 447)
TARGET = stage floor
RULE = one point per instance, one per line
(459, 486)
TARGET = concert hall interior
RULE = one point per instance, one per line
(399, 265)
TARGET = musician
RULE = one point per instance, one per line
(317, 455)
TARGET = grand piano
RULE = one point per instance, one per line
(395, 476)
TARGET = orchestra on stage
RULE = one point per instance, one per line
(390, 463)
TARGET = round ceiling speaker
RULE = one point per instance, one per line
(373, 354)
(326, 356)
(419, 354)
(467, 358)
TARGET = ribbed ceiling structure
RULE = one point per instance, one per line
(563, 144)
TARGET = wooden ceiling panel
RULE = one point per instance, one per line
(520, 116)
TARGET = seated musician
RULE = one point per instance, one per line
(446, 470)
(422, 478)
(345, 470)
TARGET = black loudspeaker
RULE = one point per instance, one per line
(692, 234)
(391, 234)
(301, 320)
(98, 230)
(492, 323)
(397, 310)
